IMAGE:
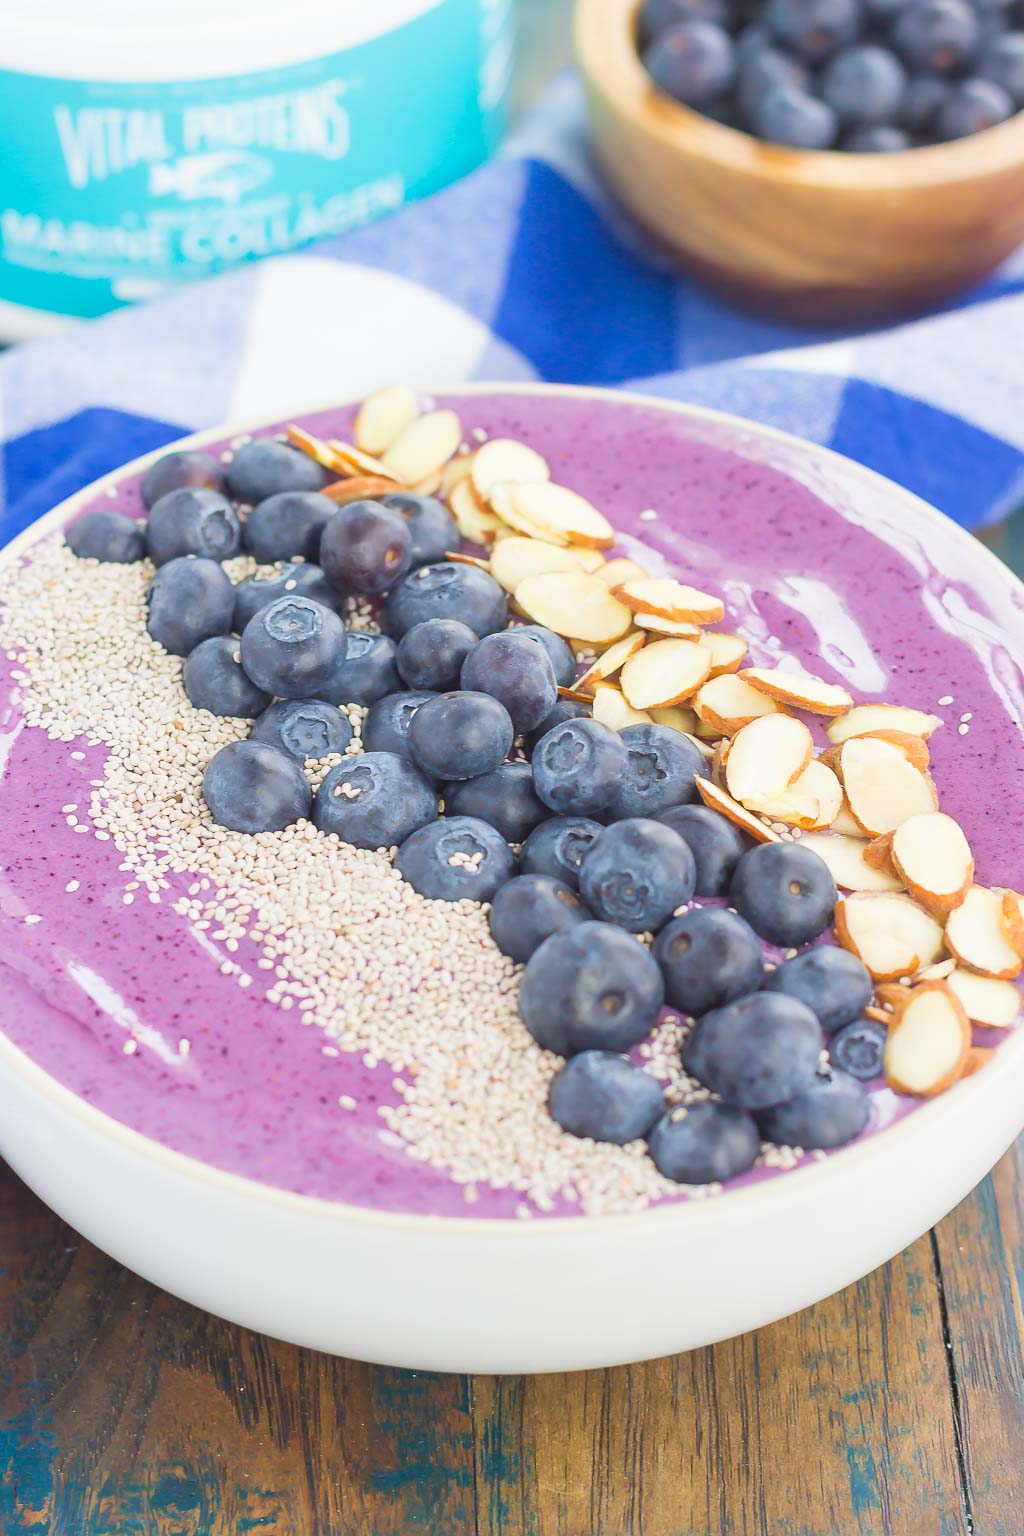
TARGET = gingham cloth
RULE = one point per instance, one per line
(522, 271)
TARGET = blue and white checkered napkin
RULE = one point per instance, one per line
(520, 272)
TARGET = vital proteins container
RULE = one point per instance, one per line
(146, 142)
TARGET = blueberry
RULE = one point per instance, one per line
(375, 800)
(834, 984)
(591, 987)
(287, 525)
(704, 1143)
(558, 847)
(863, 84)
(432, 530)
(214, 680)
(661, 768)
(559, 651)
(303, 728)
(517, 672)
(366, 547)
(657, 16)
(460, 735)
(107, 536)
(430, 655)
(266, 467)
(578, 767)
(251, 787)
(717, 846)
(922, 99)
(708, 958)
(785, 892)
(937, 35)
(565, 709)
(189, 600)
(761, 72)
(814, 29)
(193, 522)
(757, 1051)
(367, 673)
(1002, 62)
(970, 107)
(185, 466)
(636, 874)
(693, 62)
(528, 910)
(447, 590)
(858, 1049)
(386, 727)
(885, 11)
(504, 797)
(833, 1109)
(876, 139)
(304, 580)
(293, 647)
(456, 859)
(605, 1097)
(787, 115)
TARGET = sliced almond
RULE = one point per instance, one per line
(610, 661)
(845, 859)
(617, 572)
(718, 799)
(766, 756)
(881, 1016)
(706, 732)
(892, 994)
(322, 452)
(864, 719)
(933, 857)
(552, 512)
(675, 627)
(576, 695)
(475, 521)
(671, 600)
(424, 447)
(914, 748)
(503, 460)
(429, 485)
(727, 703)
(611, 709)
(576, 605)
(799, 691)
(811, 801)
(460, 559)
(383, 417)
(977, 1057)
(727, 651)
(878, 853)
(928, 1042)
(516, 558)
(987, 1001)
(678, 717)
(665, 672)
(883, 790)
(718, 761)
(976, 935)
(1013, 919)
(456, 470)
(937, 972)
(353, 461)
(844, 822)
(888, 931)
(360, 488)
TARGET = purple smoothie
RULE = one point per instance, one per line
(872, 594)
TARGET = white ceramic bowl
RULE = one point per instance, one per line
(552, 1294)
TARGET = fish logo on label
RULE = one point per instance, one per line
(226, 175)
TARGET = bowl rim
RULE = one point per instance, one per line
(603, 31)
(786, 1186)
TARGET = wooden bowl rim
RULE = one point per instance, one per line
(608, 57)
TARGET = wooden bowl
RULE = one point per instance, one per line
(806, 236)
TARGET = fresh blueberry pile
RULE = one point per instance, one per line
(589, 844)
(867, 76)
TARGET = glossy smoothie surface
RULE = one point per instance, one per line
(841, 575)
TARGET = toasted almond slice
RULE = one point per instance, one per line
(844, 822)
(703, 747)
(727, 651)
(977, 1057)
(424, 447)
(613, 710)
(933, 857)
(881, 1016)
(617, 572)
(664, 672)
(888, 931)
(706, 732)
(1013, 919)
(360, 488)
(558, 514)
(718, 799)
(383, 417)
(475, 521)
(976, 936)
(515, 558)
(671, 600)
(865, 719)
(937, 972)
(322, 452)
(987, 1001)
(575, 604)
(811, 801)
(459, 559)
(928, 1042)
(678, 628)
(457, 469)
(914, 748)
(798, 690)
(353, 461)
(883, 790)
(892, 994)
(504, 460)
(678, 717)
(878, 853)
(429, 485)
(727, 703)
(502, 500)
(576, 695)
(719, 757)
(845, 858)
(766, 756)
(610, 661)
